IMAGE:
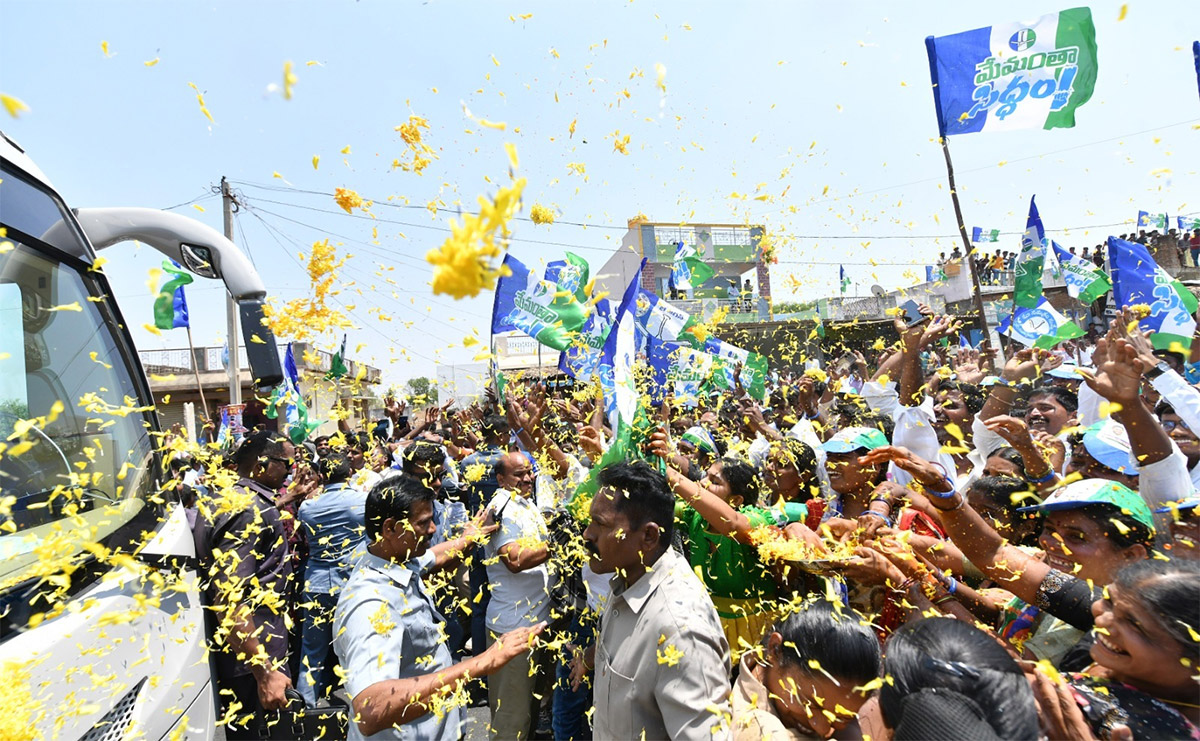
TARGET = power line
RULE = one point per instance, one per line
(271, 229)
(203, 197)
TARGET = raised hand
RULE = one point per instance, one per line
(967, 366)
(1126, 326)
(1118, 375)
(928, 475)
(1014, 431)
(509, 646)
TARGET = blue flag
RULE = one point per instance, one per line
(537, 307)
(616, 364)
(581, 359)
(1196, 57)
(1150, 220)
(1014, 75)
(980, 234)
(1138, 281)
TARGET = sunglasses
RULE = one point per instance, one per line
(289, 462)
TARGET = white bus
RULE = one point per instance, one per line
(91, 648)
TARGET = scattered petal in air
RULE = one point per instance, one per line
(200, 100)
(1124, 12)
(151, 62)
(104, 48)
(14, 106)
(511, 150)
(316, 160)
(540, 214)
(198, 207)
(345, 149)
(289, 80)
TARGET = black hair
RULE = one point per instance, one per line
(494, 425)
(800, 455)
(257, 445)
(335, 467)
(1002, 491)
(973, 396)
(647, 498)
(393, 498)
(743, 479)
(1011, 455)
(1067, 398)
(359, 441)
(937, 661)
(837, 639)
(421, 455)
(1170, 590)
(882, 422)
(1128, 533)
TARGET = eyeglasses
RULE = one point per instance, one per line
(1170, 424)
(289, 462)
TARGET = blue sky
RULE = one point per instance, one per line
(828, 101)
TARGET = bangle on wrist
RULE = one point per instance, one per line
(886, 520)
(962, 502)
(942, 494)
(1050, 474)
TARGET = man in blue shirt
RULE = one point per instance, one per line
(388, 632)
(334, 525)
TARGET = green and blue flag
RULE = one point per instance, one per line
(1085, 282)
(979, 235)
(1148, 220)
(1031, 261)
(537, 307)
(688, 271)
(1014, 75)
(1138, 280)
(1039, 326)
(170, 306)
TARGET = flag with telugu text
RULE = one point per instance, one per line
(1017, 75)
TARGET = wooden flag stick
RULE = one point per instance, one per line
(196, 372)
(962, 229)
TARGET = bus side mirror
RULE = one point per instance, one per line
(260, 344)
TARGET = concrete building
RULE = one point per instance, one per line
(732, 250)
(173, 374)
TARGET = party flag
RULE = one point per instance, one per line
(1014, 75)
(1138, 281)
(170, 306)
(1084, 280)
(1031, 261)
(537, 307)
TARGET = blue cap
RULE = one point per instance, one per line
(1108, 443)
(1066, 371)
(1182, 505)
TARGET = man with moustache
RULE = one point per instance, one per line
(389, 632)
(661, 661)
(515, 557)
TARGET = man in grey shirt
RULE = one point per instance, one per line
(388, 632)
(661, 661)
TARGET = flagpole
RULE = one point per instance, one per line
(196, 373)
(962, 229)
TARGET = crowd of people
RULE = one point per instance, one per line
(999, 267)
(935, 543)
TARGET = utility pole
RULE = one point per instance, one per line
(231, 309)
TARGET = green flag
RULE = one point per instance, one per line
(170, 308)
(337, 366)
(1027, 288)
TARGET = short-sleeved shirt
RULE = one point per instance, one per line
(387, 627)
(732, 570)
(334, 524)
(662, 661)
(247, 560)
(522, 598)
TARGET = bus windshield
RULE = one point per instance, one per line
(75, 449)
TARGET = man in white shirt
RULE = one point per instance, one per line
(515, 557)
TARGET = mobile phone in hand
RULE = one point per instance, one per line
(912, 313)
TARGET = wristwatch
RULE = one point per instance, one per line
(1160, 368)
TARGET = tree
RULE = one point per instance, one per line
(421, 392)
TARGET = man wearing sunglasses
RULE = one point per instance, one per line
(246, 563)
